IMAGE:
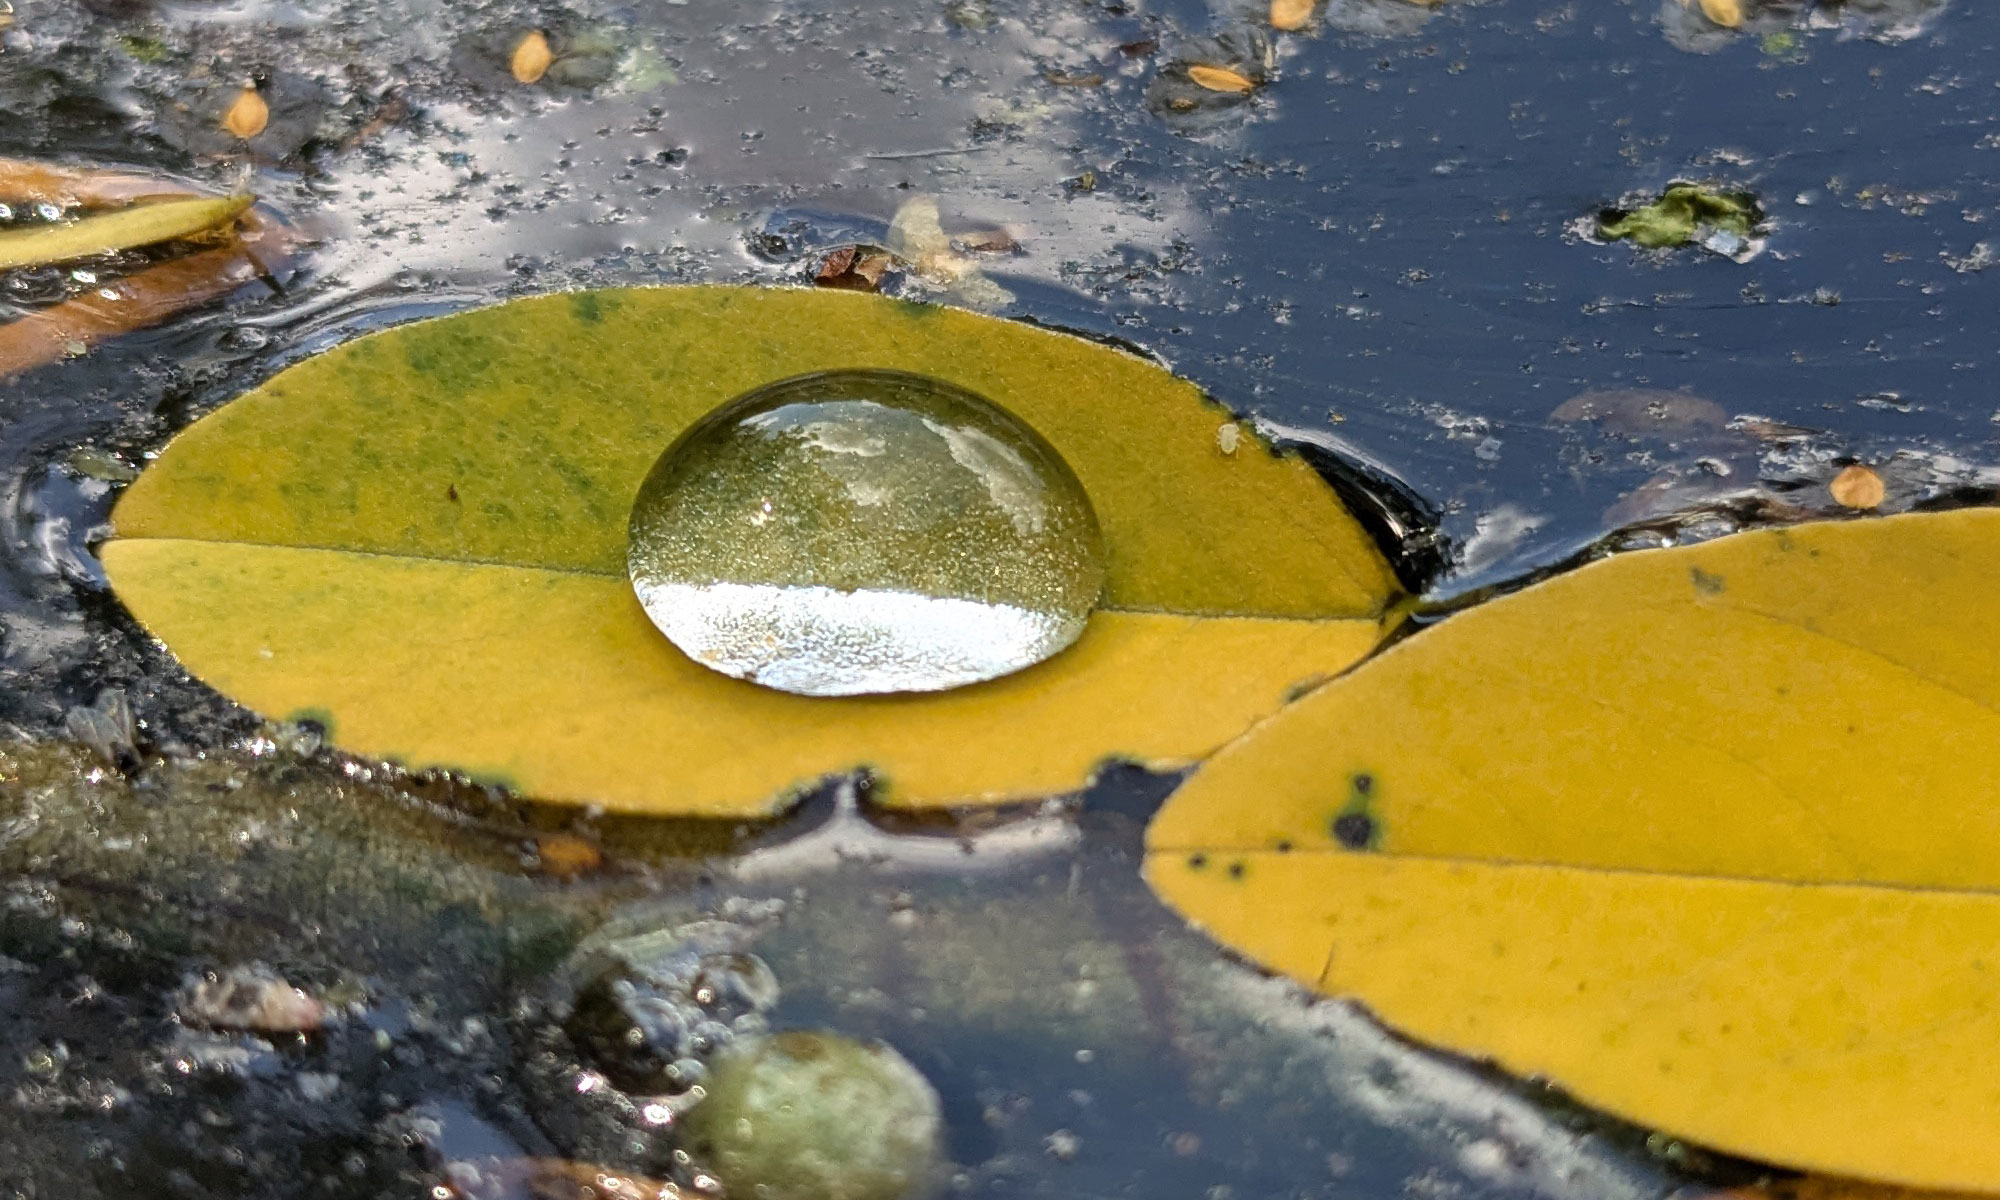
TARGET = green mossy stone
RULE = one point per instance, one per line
(817, 1116)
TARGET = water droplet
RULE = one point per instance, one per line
(865, 531)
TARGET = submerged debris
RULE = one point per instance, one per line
(251, 997)
(107, 727)
(818, 1116)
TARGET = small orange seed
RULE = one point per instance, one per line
(532, 57)
(249, 114)
(1290, 14)
(1858, 487)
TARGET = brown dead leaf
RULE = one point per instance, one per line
(532, 58)
(1220, 79)
(1081, 79)
(854, 269)
(1858, 487)
(248, 115)
(1289, 15)
(26, 182)
(153, 295)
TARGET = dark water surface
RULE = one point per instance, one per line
(1376, 254)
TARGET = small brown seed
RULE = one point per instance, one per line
(1858, 487)
(1290, 14)
(565, 855)
(247, 117)
(1220, 79)
(532, 57)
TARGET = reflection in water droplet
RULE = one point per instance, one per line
(865, 531)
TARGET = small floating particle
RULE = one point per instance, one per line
(1220, 79)
(1289, 15)
(1078, 79)
(1858, 487)
(251, 997)
(532, 57)
(249, 114)
(1726, 13)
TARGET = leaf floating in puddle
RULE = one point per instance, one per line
(1220, 79)
(422, 536)
(124, 229)
(1705, 836)
(72, 327)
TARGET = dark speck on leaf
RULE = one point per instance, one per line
(1197, 861)
(1236, 870)
(1284, 846)
(1354, 830)
(1706, 584)
(1364, 783)
(451, 492)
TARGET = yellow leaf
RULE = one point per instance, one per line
(1290, 14)
(1708, 836)
(420, 537)
(1220, 79)
(121, 229)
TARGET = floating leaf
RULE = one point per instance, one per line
(136, 301)
(419, 538)
(122, 229)
(1708, 836)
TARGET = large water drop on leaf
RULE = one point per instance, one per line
(865, 531)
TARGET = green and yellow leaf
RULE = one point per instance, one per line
(121, 229)
(420, 537)
(1708, 836)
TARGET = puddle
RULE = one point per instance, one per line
(1369, 254)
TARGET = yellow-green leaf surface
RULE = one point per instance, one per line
(1708, 836)
(420, 538)
(139, 225)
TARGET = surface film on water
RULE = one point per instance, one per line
(865, 531)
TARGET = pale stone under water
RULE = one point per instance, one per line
(865, 531)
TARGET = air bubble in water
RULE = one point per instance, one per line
(865, 531)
